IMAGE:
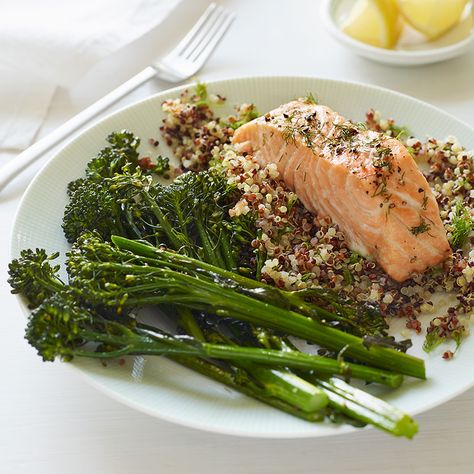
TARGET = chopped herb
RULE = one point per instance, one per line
(306, 276)
(355, 257)
(381, 189)
(420, 229)
(347, 131)
(245, 117)
(383, 152)
(308, 135)
(402, 179)
(347, 276)
(292, 130)
(424, 203)
(381, 160)
(310, 99)
(442, 329)
(412, 151)
(400, 132)
(289, 134)
(201, 93)
(291, 202)
(360, 125)
(461, 226)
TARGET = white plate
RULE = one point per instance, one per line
(412, 53)
(166, 390)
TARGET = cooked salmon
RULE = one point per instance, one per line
(366, 182)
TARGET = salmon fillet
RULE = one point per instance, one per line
(366, 182)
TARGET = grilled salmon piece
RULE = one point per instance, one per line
(366, 182)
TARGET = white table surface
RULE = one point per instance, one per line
(52, 422)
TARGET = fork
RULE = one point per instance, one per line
(182, 62)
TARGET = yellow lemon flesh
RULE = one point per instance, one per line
(433, 18)
(375, 22)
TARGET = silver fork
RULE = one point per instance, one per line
(194, 49)
(182, 62)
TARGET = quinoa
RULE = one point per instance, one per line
(302, 250)
(192, 130)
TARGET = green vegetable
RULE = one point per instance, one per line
(352, 317)
(93, 205)
(46, 334)
(190, 215)
(119, 279)
(61, 328)
(281, 383)
(33, 276)
(366, 408)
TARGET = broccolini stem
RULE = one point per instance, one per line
(366, 408)
(188, 323)
(264, 314)
(201, 294)
(278, 383)
(289, 387)
(211, 254)
(322, 366)
(227, 252)
(165, 225)
(254, 288)
(146, 342)
(241, 383)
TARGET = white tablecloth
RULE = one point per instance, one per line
(52, 422)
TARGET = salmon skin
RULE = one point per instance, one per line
(366, 182)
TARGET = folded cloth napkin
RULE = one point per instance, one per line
(53, 42)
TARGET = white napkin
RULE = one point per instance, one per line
(54, 42)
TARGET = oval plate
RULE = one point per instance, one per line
(164, 389)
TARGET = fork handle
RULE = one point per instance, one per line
(18, 164)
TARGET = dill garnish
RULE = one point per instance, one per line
(461, 226)
(201, 94)
(381, 189)
(248, 115)
(383, 152)
(424, 203)
(289, 134)
(347, 276)
(310, 99)
(420, 229)
(401, 180)
(347, 131)
(400, 132)
(307, 135)
(291, 130)
(382, 163)
(443, 329)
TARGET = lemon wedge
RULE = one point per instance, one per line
(375, 22)
(433, 18)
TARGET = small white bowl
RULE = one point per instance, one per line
(332, 12)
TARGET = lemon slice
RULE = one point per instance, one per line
(433, 18)
(374, 22)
